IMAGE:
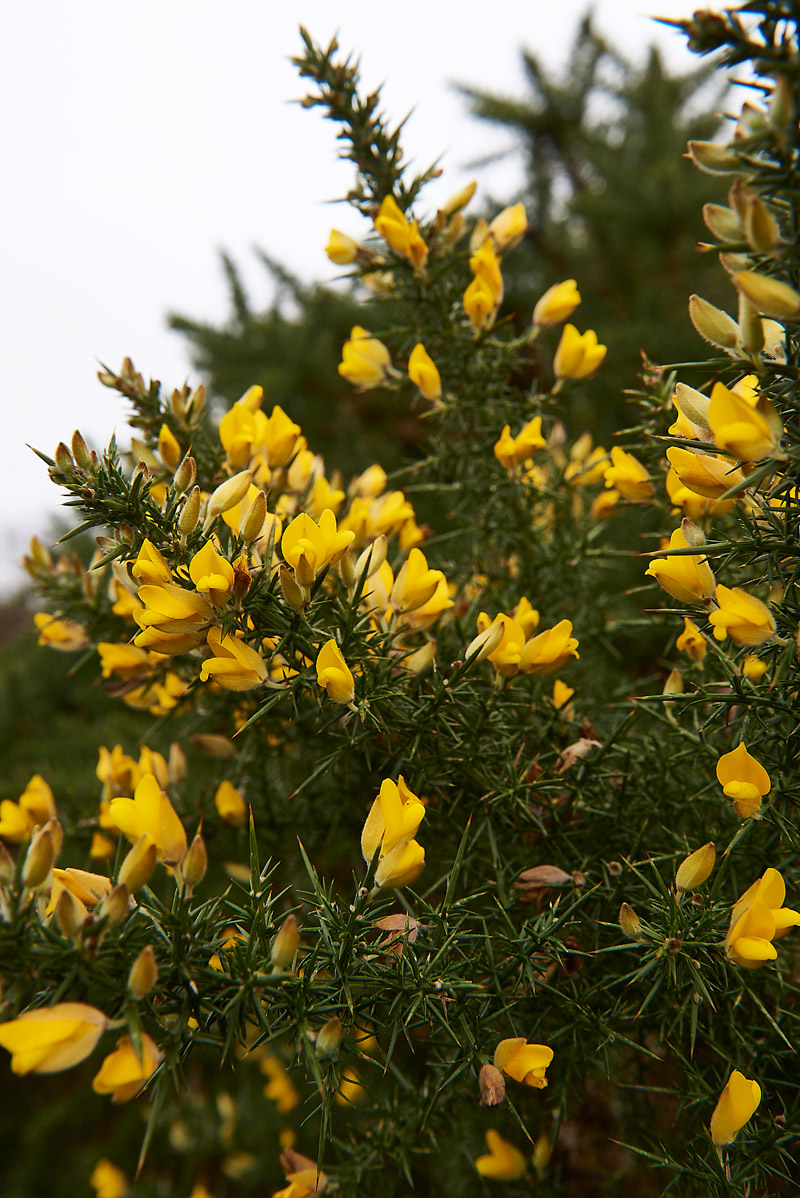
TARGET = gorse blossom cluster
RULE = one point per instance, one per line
(434, 836)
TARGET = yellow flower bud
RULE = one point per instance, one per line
(39, 859)
(687, 577)
(712, 158)
(341, 249)
(190, 512)
(423, 373)
(227, 495)
(503, 1162)
(696, 868)
(137, 868)
(329, 1037)
(230, 805)
(114, 907)
(714, 326)
(169, 448)
(365, 360)
(333, 673)
(195, 863)
(70, 913)
(578, 354)
(292, 591)
(286, 944)
(557, 304)
(508, 227)
(770, 296)
(754, 668)
(629, 922)
(143, 973)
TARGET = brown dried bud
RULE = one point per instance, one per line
(492, 1086)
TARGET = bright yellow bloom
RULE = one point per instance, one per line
(333, 673)
(704, 473)
(88, 888)
(508, 227)
(230, 805)
(123, 1073)
(691, 640)
(524, 1062)
(173, 619)
(50, 1039)
(507, 654)
(485, 265)
(65, 635)
(420, 618)
(754, 667)
(401, 234)
(758, 918)
(36, 806)
(743, 779)
(557, 303)
(281, 437)
(150, 811)
(696, 869)
(511, 451)
(742, 616)
(240, 430)
(392, 823)
(550, 650)
(124, 661)
(747, 432)
(503, 1162)
(696, 507)
(309, 547)
(234, 665)
(423, 373)
(415, 583)
(364, 359)
(211, 574)
(108, 1181)
(151, 566)
(118, 772)
(578, 354)
(687, 577)
(479, 303)
(341, 249)
(627, 474)
(562, 695)
(737, 1103)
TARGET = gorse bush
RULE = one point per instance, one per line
(461, 848)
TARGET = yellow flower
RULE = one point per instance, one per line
(503, 1162)
(123, 1073)
(627, 475)
(333, 673)
(279, 1088)
(403, 236)
(742, 616)
(150, 566)
(704, 473)
(485, 265)
(36, 806)
(281, 437)
(513, 450)
(479, 303)
(341, 249)
(173, 619)
(88, 888)
(758, 918)
(557, 303)
(150, 812)
(754, 668)
(169, 448)
(309, 546)
(747, 432)
(737, 1103)
(108, 1181)
(550, 650)
(769, 296)
(687, 577)
(743, 779)
(691, 640)
(65, 635)
(562, 695)
(234, 665)
(524, 1062)
(230, 805)
(364, 359)
(211, 574)
(423, 373)
(578, 354)
(50, 1039)
(507, 654)
(240, 429)
(415, 583)
(508, 227)
(392, 823)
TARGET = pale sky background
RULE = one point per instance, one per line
(140, 138)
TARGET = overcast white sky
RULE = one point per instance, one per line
(139, 138)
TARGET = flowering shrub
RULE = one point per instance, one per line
(435, 800)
